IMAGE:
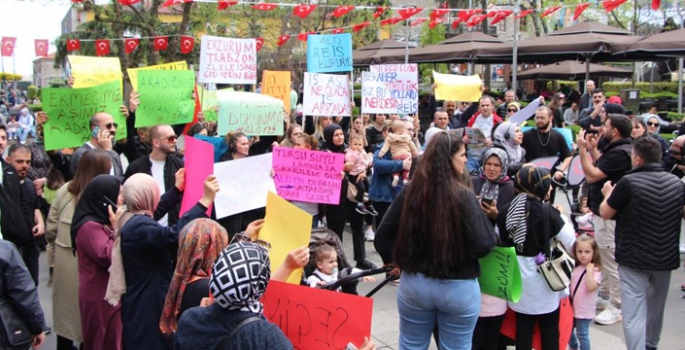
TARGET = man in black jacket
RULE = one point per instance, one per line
(648, 206)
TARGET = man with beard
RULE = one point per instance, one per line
(544, 141)
(611, 165)
(590, 118)
(103, 130)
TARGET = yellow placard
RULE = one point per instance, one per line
(457, 87)
(286, 227)
(277, 84)
(93, 71)
(133, 72)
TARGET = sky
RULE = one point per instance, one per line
(27, 21)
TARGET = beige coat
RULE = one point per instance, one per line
(65, 303)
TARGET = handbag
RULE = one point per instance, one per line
(558, 265)
(351, 191)
(14, 333)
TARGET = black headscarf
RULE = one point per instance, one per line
(614, 108)
(88, 208)
(328, 136)
(534, 181)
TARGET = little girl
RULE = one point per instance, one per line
(12, 127)
(584, 288)
(357, 176)
(327, 267)
(401, 147)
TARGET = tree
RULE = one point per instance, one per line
(9, 77)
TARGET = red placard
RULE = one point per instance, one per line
(565, 326)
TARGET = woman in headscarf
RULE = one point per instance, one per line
(512, 108)
(521, 225)
(508, 136)
(653, 124)
(92, 232)
(142, 261)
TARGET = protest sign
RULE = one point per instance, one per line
(166, 97)
(210, 103)
(308, 176)
(286, 227)
(522, 115)
(277, 85)
(500, 275)
(133, 72)
(244, 184)
(328, 53)
(457, 87)
(93, 71)
(228, 60)
(199, 163)
(69, 112)
(318, 319)
(508, 328)
(390, 89)
(250, 113)
(326, 95)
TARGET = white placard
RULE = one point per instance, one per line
(244, 184)
(326, 95)
(228, 60)
(390, 89)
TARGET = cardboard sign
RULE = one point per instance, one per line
(133, 72)
(329, 53)
(326, 95)
(166, 97)
(500, 275)
(93, 71)
(69, 112)
(390, 89)
(244, 184)
(508, 328)
(228, 60)
(308, 176)
(318, 319)
(199, 163)
(251, 113)
(277, 85)
(457, 87)
(210, 103)
(525, 113)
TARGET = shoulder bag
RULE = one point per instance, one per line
(14, 333)
(558, 266)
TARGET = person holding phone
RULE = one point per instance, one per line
(103, 132)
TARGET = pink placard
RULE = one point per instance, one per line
(308, 176)
(199, 163)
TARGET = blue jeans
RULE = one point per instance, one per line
(453, 304)
(23, 134)
(580, 334)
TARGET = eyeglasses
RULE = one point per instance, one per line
(243, 238)
(512, 110)
(110, 125)
(464, 103)
(653, 124)
(170, 139)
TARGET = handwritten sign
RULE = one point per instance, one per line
(457, 87)
(277, 84)
(317, 319)
(219, 143)
(545, 162)
(308, 176)
(210, 103)
(69, 112)
(525, 113)
(391, 88)
(228, 60)
(93, 71)
(244, 184)
(326, 95)
(500, 275)
(166, 97)
(251, 113)
(508, 328)
(329, 53)
(133, 72)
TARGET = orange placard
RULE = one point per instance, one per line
(565, 326)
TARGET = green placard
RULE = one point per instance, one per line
(500, 275)
(209, 104)
(69, 112)
(251, 113)
(166, 97)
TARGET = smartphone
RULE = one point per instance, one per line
(104, 201)
(488, 201)
(96, 132)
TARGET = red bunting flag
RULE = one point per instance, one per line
(580, 8)
(128, 2)
(224, 4)
(76, 1)
(161, 43)
(8, 46)
(73, 45)
(303, 11)
(342, 10)
(390, 21)
(524, 13)
(360, 26)
(260, 43)
(407, 13)
(101, 47)
(379, 11)
(656, 4)
(168, 3)
(41, 46)
(338, 30)
(492, 13)
(434, 22)
(476, 20)
(610, 5)
(466, 15)
(187, 44)
(282, 39)
(500, 16)
(264, 7)
(131, 44)
(416, 22)
(437, 13)
(303, 36)
(550, 11)
(455, 23)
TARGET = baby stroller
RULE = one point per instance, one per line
(347, 280)
(574, 181)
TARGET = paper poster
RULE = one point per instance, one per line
(93, 71)
(228, 60)
(251, 113)
(545, 162)
(244, 184)
(277, 84)
(286, 227)
(329, 53)
(457, 87)
(500, 275)
(318, 319)
(508, 328)
(522, 115)
(308, 176)
(390, 89)
(199, 163)
(219, 143)
(210, 103)
(326, 95)
(69, 112)
(166, 97)
(133, 72)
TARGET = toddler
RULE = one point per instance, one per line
(401, 147)
(357, 176)
(12, 128)
(584, 287)
(327, 267)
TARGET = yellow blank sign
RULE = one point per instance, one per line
(457, 87)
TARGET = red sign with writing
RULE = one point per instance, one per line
(565, 326)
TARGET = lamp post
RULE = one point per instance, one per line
(406, 34)
(514, 58)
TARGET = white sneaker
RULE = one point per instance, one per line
(601, 303)
(395, 181)
(682, 249)
(609, 316)
(369, 236)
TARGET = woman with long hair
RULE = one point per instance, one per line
(557, 107)
(358, 129)
(294, 131)
(435, 232)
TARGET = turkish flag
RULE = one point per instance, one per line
(379, 11)
(500, 16)
(8, 46)
(168, 3)
(437, 13)
(656, 4)
(550, 11)
(416, 22)
(524, 13)
(128, 2)
(492, 13)
(259, 42)
(611, 5)
(226, 4)
(73, 45)
(360, 26)
(41, 46)
(187, 44)
(264, 7)
(465, 15)
(303, 36)
(338, 30)
(579, 10)
(456, 22)
(342, 10)
(408, 12)
(435, 22)
(476, 20)
(390, 21)
(101, 47)
(282, 39)
(303, 11)
(130, 44)
(161, 43)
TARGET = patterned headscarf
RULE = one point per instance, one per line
(240, 276)
(504, 134)
(490, 189)
(200, 243)
(532, 183)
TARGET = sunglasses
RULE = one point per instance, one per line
(110, 125)
(171, 138)
(512, 110)
(652, 124)
(241, 237)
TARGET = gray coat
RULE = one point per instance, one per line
(78, 153)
